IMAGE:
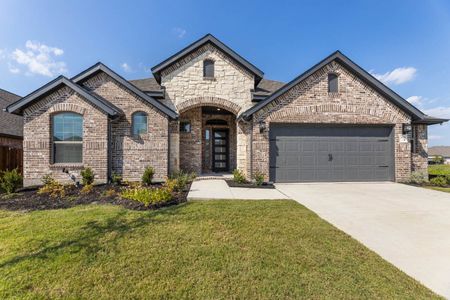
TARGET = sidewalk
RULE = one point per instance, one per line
(219, 189)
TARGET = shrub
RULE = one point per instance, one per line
(116, 178)
(52, 187)
(439, 181)
(438, 159)
(147, 177)
(259, 178)
(238, 176)
(87, 176)
(171, 185)
(182, 179)
(148, 196)
(109, 193)
(87, 188)
(10, 181)
(418, 177)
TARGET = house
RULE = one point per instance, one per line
(207, 109)
(443, 151)
(10, 134)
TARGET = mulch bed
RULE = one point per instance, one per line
(265, 185)
(30, 200)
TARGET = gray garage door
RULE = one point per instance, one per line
(314, 153)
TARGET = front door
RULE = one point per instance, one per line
(220, 151)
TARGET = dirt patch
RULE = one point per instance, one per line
(30, 200)
(265, 185)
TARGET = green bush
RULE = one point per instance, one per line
(438, 159)
(87, 176)
(439, 170)
(10, 181)
(148, 196)
(439, 181)
(116, 178)
(259, 178)
(181, 179)
(238, 176)
(418, 178)
(52, 187)
(147, 177)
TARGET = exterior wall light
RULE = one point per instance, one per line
(262, 126)
(407, 128)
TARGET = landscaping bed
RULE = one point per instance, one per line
(265, 185)
(30, 200)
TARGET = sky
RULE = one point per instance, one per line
(404, 43)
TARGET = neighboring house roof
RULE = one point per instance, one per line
(18, 106)
(439, 150)
(101, 67)
(9, 124)
(417, 115)
(209, 38)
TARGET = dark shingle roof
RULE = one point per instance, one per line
(439, 150)
(267, 87)
(9, 124)
(146, 84)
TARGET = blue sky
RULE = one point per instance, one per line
(405, 43)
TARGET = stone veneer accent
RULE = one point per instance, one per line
(131, 154)
(355, 103)
(37, 149)
(184, 79)
(420, 151)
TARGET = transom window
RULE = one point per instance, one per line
(208, 68)
(333, 83)
(139, 125)
(67, 138)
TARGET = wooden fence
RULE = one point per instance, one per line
(11, 158)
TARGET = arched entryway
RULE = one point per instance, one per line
(207, 139)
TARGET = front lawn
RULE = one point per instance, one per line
(439, 170)
(197, 250)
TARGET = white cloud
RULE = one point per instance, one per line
(39, 59)
(179, 32)
(397, 76)
(439, 112)
(415, 100)
(13, 69)
(126, 67)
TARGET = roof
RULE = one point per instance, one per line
(18, 106)
(417, 115)
(9, 124)
(209, 38)
(439, 150)
(147, 84)
(101, 67)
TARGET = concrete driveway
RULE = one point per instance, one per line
(407, 226)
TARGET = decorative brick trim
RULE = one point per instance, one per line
(208, 101)
(60, 107)
(334, 108)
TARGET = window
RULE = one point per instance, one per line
(67, 138)
(332, 83)
(139, 123)
(185, 126)
(208, 68)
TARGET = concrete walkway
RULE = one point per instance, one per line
(219, 189)
(407, 226)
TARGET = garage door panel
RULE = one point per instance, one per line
(309, 154)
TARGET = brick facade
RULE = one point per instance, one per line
(37, 146)
(355, 103)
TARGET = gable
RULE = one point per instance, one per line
(416, 115)
(355, 101)
(207, 40)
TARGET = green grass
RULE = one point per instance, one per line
(198, 250)
(438, 188)
(439, 169)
